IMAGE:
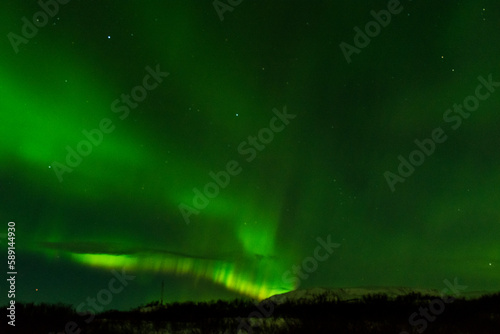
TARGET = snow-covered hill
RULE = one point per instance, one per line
(347, 294)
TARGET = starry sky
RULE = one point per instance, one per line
(208, 145)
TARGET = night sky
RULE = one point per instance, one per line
(210, 147)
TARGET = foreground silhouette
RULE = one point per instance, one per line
(412, 313)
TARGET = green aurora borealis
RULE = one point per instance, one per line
(321, 175)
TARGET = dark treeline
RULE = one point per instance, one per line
(413, 313)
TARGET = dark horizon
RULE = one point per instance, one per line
(373, 313)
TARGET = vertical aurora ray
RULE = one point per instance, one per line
(256, 279)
